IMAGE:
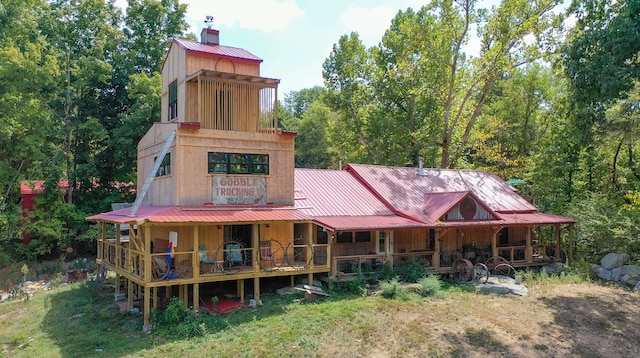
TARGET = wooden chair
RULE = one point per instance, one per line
(234, 255)
(266, 253)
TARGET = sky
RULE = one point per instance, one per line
(294, 37)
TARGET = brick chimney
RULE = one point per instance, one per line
(210, 37)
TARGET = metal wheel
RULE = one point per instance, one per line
(462, 270)
(480, 273)
(495, 261)
(504, 270)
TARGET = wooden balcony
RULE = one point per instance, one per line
(163, 269)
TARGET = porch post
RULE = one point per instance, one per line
(494, 242)
(240, 289)
(196, 298)
(155, 298)
(147, 310)
(529, 252)
(557, 255)
(310, 241)
(129, 294)
(256, 289)
(195, 261)
(571, 243)
(147, 255)
(435, 260)
(255, 243)
(387, 258)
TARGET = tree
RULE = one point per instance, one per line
(312, 143)
(601, 58)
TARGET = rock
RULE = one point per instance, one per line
(616, 273)
(604, 273)
(613, 260)
(316, 283)
(286, 291)
(630, 275)
(637, 288)
(500, 280)
(503, 289)
(555, 268)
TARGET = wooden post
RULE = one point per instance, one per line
(129, 294)
(494, 242)
(117, 284)
(435, 260)
(196, 298)
(310, 241)
(255, 243)
(147, 310)
(558, 247)
(155, 298)
(309, 278)
(529, 250)
(292, 281)
(147, 255)
(168, 292)
(387, 257)
(240, 289)
(196, 254)
(256, 289)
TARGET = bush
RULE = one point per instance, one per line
(391, 289)
(177, 321)
(430, 285)
(411, 272)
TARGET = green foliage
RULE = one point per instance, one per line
(391, 289)
(430, 285)
(605, 226)
(177, 321)
(411, 272)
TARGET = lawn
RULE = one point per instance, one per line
(557, 318)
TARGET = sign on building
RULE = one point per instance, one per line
(239, 190)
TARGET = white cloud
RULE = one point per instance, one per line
(262, 15)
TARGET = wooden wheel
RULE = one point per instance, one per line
(462, 270)
(504, 270)
(480, 273)
(495, 261)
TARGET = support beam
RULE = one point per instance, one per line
(240, 289)
(129, 294)
(147, 255)
(155, 298)
(195, 259)
(256, 289)
(558, 246)
(529, 249)
(196, 298)
(147, 310)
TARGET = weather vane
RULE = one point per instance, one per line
(208, 20)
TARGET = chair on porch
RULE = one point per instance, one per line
(234, 255)
(266, 254)
(216, 266)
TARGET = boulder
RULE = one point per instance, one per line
(637, 288)
(604, 273)
(503, 289)
(555, 268)
(616, 273)
(630, 275)
(613, 260)
(286, 291)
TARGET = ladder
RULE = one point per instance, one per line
(152, 174)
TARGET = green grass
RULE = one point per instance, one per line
(78, 321)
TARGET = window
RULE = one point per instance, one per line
(432, 239)
(503, 237)
(363, 236)
(236, 163)
(173, 100)
(343, 238)
(165, 167)
(322, 236)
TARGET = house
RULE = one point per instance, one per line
(219, 199)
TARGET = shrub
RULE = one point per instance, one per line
(430, 285)
(411, 272)
(391, 289)
(177, 321)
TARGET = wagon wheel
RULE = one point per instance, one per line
(480, 273)
(504, 270)
(495, 261)
(462, 270)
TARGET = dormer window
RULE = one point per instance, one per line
(173, 100)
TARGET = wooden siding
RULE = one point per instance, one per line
(190, 183)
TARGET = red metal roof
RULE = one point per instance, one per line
(322, 192)
(222, 51)
(355, 223)
(404, 189)
(437, 205)
(201, 214)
